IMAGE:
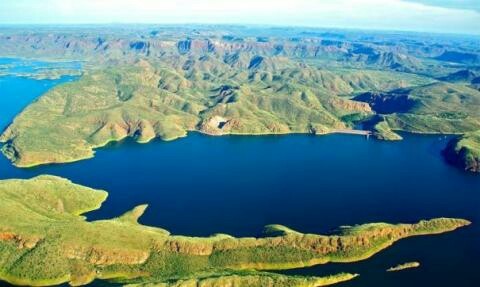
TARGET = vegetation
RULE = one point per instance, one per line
(146, 101)
(383, 131)
(249, 279)
(404, 266)
(148, 82)
(437, 108)
(464, 151)
(44, 240)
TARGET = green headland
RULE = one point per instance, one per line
(45, 240)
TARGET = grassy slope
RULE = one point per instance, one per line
(252, 278)
(435, 108)
(464, 151)
(383, 131)
(440, 108)
(44, 241)
(446, 109)
(161, 100)
(217, 85)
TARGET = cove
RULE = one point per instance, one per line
(17, 92)
(200, 185)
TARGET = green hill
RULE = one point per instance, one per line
(44, 240)
(148, 100)
(148, 82)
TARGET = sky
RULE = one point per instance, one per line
(449, 16)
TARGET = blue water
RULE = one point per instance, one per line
(202, 185)
(13, 65)
(17, 92)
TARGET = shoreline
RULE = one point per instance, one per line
(246, 135)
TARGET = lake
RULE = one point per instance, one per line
(200, 185)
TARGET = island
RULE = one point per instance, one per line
(148, 84)
(46, 240)
(404, 266)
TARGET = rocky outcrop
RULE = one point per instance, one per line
(20, 241)
(184, 46)
(464, 152)
(351, 106)
(106, 256)
(215, 125)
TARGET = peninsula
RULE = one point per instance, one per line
(45, 240)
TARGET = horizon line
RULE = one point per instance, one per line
(85, 24)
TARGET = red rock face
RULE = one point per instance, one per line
(21, 242)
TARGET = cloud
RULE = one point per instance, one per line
(455, 4)
(366, 14)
